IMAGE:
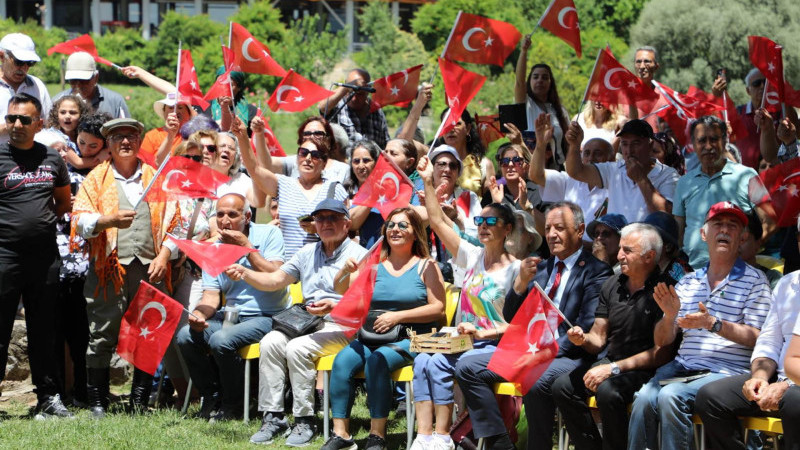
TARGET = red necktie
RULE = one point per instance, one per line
(559, 268)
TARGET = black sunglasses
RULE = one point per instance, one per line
(195, 158)
(758, 83)
(13, 118)
(509, 161)
(490, 221)
(315, 154)
(210, 148)
(315, 133)
(19, 63)
(357, 161)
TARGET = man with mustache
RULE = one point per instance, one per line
(716, 179)
(17, 56)
(720, 310)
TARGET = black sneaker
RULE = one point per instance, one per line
(375, 442)
(339, 443)
(226, 414)
(211, 405)
(271, 428)
(52, 408)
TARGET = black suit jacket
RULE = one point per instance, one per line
(578, 301)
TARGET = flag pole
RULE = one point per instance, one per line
(155, 177)
(654, 112)
(783, 78)
(589, 83)
(363, 258)
(224, 63)
(725, 105)
(544, 295)
(397, 168)
(178, 78)
(546, 11)
(447, 43)
(438, 131)
(763, 99)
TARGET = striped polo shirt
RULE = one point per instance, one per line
(742, 297)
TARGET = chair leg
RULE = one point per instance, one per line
(187, 397)
(326, 405)
(410, 413)
(480, 444)
(160, 385)
(246, 390)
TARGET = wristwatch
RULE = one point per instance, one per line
(717, 325)
(614, 369)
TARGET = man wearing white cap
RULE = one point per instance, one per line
(82, 76)
(17, 55)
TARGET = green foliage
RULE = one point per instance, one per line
(701, 37)
(613, 15)
(310, 49)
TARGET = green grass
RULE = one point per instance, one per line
(163, 428)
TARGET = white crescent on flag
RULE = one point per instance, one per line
(158, 307)
(168, 178)
(246, 55)
(283, 89)
(467, 35)
(405, 76)
(394, 178)
(538, 317)
(772, 98)
(607, 78)
(563, 13)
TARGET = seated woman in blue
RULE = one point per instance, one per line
(490, 272)
(409, 287)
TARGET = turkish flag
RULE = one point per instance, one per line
(147, 158)
(612, 84)
(488, 128)
(147, 328)
(727, 106)
(561, 19)
(529, 344)
(351, 311)
(212, 258)
(460, 85)
(780, 186)
(398, 89)
(274, 147)
(183, 178)
(189, 88)
(480, 40)
(678, 122)
(295, 93)
(767, 56)
(220, 88)
(251, 55)
(83, 43)
(772, 98)
(386, 188)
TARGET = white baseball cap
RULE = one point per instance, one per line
(21, 46)
(80, 66)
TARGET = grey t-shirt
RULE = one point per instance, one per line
(104, 101)
(316, 270)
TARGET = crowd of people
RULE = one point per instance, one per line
(653, 252)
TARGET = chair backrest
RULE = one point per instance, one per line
(296, 293)
(452, 294)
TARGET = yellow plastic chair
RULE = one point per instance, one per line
(770, 262)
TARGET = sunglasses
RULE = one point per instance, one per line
(480, 220)
(517, 160)
(13, 118)
(122, 137)
(315, 154)
(19, 63)
(332, 218)
(402, 225)
(758, 83)
(210, 148)
(357, 161)
(444, 164)
(195, 158)
(315, 133)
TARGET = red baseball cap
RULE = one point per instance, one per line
(727, 208)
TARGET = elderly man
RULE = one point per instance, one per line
(623, 325)
(720, 309)
(638, 184)
(716, 179)
(219, 376)
(606, 232)
(315, 266)
(126, 245)
(572, 278)
(17, 55)
(354, 115)
(34, 192)
(82, 76)
(765, 390)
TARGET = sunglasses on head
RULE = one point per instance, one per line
(19, 63)
(315, 133)
(758, 83)
(304, 152)
(13, 118)
(210, 148)
(402, 225)
(490, 221)
(195, 158)
(514, 160)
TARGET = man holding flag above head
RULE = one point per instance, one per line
(351, 105)
(82, 76)
(126, 243)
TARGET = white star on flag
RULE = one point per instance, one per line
(771, 67)
(216, 244)
(793, 190)
(395, 91)
(452, 100)
(632, 84)
(488, 42)
(144, 332)
(194, 85)
(782, 188)
(382, 199)
(186, 184)
(298, 99)
(532, 348)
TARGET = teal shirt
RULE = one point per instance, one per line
(697, 192)
(400, 293)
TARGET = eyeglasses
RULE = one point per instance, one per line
(357, 161)
(210, 148)
(402, 225)
(19, 63)
(315, 133)
(515, 160)
(122, 137)
(605, 234)
(758, 83)
(13, 118)
(480, 220)
(195, 158)
(304, 152)
(332, 218)
(441, 165)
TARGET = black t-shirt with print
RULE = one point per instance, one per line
(27, 181)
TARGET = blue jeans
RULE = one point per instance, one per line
(433, 373)
(378, 366)
(225, 374)
(672, 406)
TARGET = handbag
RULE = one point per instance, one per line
(295, 321)
(371, 338)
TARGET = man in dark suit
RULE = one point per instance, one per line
(572, 278)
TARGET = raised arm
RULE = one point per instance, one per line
(265, 182)
(576, 169)
(327, 105)
(544, 133)
(159, 84)
(520, 89)
(436, 217)
(172, 126)
(410, 125)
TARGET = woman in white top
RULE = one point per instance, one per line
(538, 92)
(598, 121)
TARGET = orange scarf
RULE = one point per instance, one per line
(98, 194)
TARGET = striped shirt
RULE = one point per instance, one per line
(292, 203)
(742, 297)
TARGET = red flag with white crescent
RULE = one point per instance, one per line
(460, 85)
(147, 327)
(296, 93)
(386, 188)
(189, 88)
(250, 55)
(612, 84)
(480, 40)
(780, 187)
(351, 311)
(398, 89)
(561, 19)
(82, 43)
(183, 178)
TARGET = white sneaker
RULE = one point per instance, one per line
(438, 443)
(420, 444)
